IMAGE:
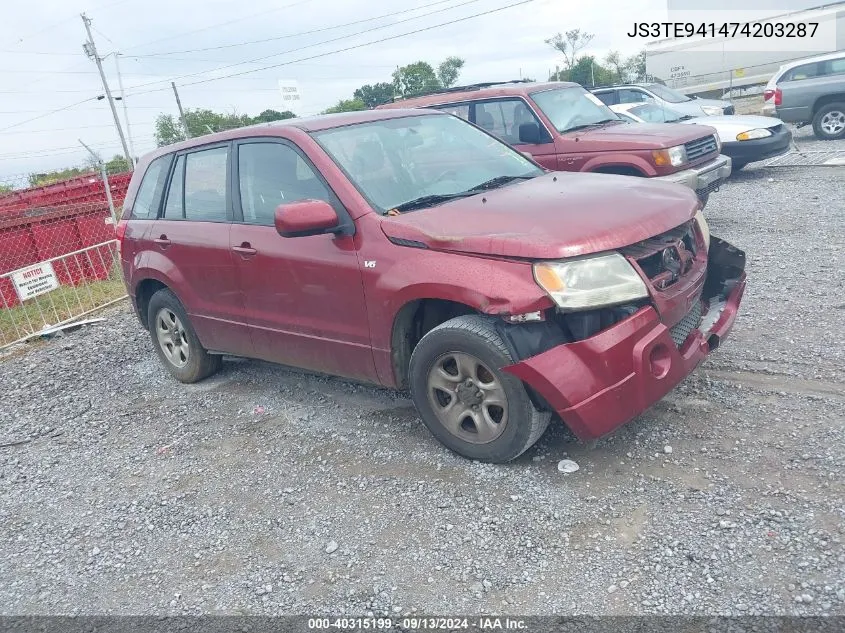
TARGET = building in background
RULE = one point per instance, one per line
(739, 64)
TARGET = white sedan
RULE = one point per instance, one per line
(745, 138)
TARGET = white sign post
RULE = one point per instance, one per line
(291, 95)
(35, 280)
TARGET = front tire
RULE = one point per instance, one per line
(175, 340)
(738, 166)
(463, 397)
(829, 122)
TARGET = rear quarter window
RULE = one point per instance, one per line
(805, 71)
(148, 199)
(607, 98)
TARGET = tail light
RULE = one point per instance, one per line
(768, 94)
(778, 96)
(120, 232)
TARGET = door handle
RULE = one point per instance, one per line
(162, 241)
(245, 249)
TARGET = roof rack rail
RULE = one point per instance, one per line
(478, 86)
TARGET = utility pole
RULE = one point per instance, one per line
(181, 112)
(105, 176)
(91, 51)
(125, 109)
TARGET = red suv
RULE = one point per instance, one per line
(411, 249)
(564, 127)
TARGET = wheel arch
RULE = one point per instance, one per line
(837, 97)
(412, 321)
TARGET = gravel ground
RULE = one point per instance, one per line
(266, 490)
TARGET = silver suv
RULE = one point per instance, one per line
(663, 96)
(810, 90)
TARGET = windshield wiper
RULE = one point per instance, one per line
(437, 198)
(430, 200)
(686, 117)
(498, 181)
(588, 125)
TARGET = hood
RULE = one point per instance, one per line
(730, 125)
(557, 215)
(634, 136)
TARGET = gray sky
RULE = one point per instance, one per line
(44, 68)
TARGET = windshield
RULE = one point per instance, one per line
(573, 108)
(419, 161)
(667, 94)
(651, 113)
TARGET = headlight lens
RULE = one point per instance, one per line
(718, 143)
(591, 282)
(750, 135)
(712, 110)
(703, 227)
(674, 156)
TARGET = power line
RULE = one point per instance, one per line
(213, 26)
(65, 129)
(334, 52)
(50, 27)
(300, 48)
(291, 35)
(46, 114)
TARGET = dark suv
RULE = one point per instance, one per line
(411, 249)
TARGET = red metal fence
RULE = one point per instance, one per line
(41, 223)
(58, 252)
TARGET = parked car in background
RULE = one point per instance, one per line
(564, 127)
(745, 138)
(810, 91)
(662, 95)
(410, 249)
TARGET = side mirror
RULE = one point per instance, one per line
(306, 217)
(529, 133)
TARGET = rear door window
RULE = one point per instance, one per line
(835, 66)
(631, 95)
(205, 185)
(503, 117)
(174, 206)
(148, 199)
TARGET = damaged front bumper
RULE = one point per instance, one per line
(600, 383)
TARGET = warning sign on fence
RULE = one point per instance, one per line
(35, 280)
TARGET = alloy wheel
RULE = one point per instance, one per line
(468, 398)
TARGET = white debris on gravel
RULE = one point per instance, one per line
(745, 518)
(567, 466)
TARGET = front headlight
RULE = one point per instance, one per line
(718, 143)
(712, 110)
(674, 156)
(750, 135)
(703, 227)
(592, 282)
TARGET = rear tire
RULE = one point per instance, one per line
(463, 397)
(175, 340)
(829, 122)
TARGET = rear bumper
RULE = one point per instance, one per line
(598, 384)
(759, 149)
(703, 179)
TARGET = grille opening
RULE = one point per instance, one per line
(665, 269)
(700, 147)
